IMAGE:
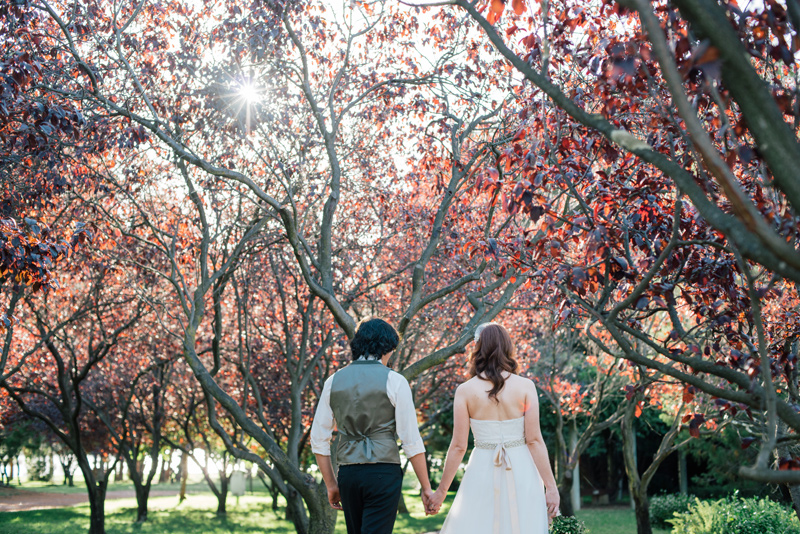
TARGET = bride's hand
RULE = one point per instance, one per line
(435, 502)
(553, 500)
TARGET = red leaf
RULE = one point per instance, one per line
(519, 6)
(746, 442)
(498, 6)
(495, 11)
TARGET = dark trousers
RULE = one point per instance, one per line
(370, 494)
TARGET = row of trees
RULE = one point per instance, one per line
(222, 191)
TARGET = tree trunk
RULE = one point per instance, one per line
(401, 505)
(97, 519)
(222, 496)
(642, 510)
(683, 473)
(141, 485)
(637, 490)
(324, 522)
(273, 490)
(184, 475)
(142, 496)
(794, 489)
(66, 466)
(96, 488)
(794, 492)
(575, 495)
(565, 492)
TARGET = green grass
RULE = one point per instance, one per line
(195, 516)
(252, 514)
(612, 520)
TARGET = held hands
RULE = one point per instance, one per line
(426, 495)
(334, 498)
(434, 503)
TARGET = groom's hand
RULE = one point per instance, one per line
(334, 498)
(427, 494)
(434, 503)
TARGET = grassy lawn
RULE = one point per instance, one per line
(616, 520)
(252, 514)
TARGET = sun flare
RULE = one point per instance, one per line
(249, 93)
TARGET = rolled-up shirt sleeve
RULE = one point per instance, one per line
(323, 424)
(405, 414)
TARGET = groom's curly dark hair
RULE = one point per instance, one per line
(374, 337)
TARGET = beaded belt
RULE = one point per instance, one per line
(492, 446)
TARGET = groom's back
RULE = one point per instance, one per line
(364, 414)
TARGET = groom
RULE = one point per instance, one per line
(372, 406)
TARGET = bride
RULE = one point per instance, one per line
(508, 486)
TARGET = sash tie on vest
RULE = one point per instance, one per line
(369, 440)
(503, 469)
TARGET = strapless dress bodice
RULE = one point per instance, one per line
(498, 431)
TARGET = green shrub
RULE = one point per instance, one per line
(735, 515)
(664, 507)
(568, 525)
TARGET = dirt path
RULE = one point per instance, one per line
(18, 500)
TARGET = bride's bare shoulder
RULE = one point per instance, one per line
(521, 381)
(468, 384)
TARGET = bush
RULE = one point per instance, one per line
(664, 507)
(735, 515)
(568, 525)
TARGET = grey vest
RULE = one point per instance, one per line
(364, 415)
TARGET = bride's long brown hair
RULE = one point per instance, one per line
(494, 353)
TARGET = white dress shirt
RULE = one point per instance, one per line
(405, 416)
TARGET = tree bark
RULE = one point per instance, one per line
(637, 490)
(642, 511)
(184, 475)
(565, 492)
(638, 484)
(325, 522)
(142, 496)
(222, 495)
(575, 494)
(141, 483)
(96, 488)
(683, 479)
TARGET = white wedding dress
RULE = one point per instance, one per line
(501, 492)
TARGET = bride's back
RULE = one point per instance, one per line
(511, 401)
(495, 392)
